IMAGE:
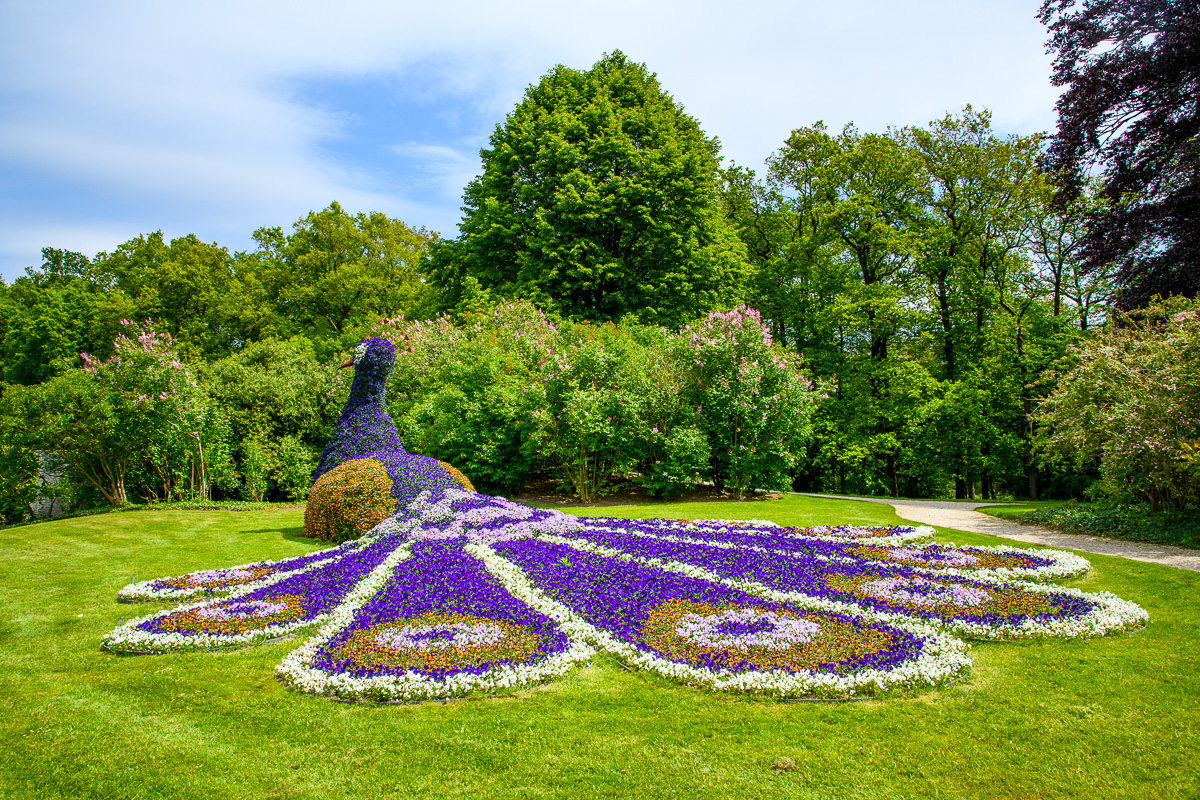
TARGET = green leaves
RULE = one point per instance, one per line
(598, 199)
(336, 274)
(1130, 399)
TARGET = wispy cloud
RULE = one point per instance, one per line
(199, 117)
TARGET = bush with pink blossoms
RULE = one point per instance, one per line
(135, 418)
(753, 402)
(511, 393)
(1130, 400)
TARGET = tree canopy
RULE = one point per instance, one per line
(1131, 107)
(598, 198)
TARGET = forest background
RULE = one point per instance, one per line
(894, 313)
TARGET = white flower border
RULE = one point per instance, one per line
(1065, 564)
(1111, 613)
(904, 535)
(129, 638)
(144, 591)
(297, 668)
(942, 657)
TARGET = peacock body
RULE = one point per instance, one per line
(365, 475)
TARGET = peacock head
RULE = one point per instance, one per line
(372, 359)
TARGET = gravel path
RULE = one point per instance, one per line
(963, 516)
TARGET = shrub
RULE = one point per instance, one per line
(136, 419)
(1130, 400)
(348, 501)
(1136, 522)
(256, 466)
(753, 402)
(512, 391)
(467, 395)
(593, 422)
(293, 467)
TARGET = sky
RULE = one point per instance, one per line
(218, 118)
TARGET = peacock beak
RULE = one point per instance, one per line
(348, 363)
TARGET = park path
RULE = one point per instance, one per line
(963, 516)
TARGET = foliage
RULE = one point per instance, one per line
(1131, 72)
(925, 278)
(752, 401)
(53, 313)
(137, 415)
(923, 274)
(273, 389)
(1138, 523)
(598, 199)
(1130, 399)
(592, 423)
(182, 286)
(294, 465)
(256, 466)
(515, 391)
(466, 395)
(20, 467)
(336, 274)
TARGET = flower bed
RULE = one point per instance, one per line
(883, 546)
(978, 606)
(461, 593)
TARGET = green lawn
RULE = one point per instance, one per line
(1113, 717)
(1017, 510)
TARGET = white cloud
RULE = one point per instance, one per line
(190, 111)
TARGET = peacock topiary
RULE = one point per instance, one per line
(365, 474)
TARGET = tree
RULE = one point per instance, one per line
(598, 199)
(20, 467)
(53, 312)
(1131, 69)
(274, 389)
(182, 286)
(336, 274)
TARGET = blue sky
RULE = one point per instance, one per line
(217, 118)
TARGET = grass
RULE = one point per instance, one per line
(1113, 716)
(1016, 510)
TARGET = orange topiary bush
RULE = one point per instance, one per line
(458, 476)
(348, 501)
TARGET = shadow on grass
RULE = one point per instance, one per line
(294, 533)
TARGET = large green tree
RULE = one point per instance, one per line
(335, 274)
(54, 312)
(598, 198)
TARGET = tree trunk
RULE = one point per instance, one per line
(960, 489)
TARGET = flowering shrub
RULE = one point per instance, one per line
(468, 395)
(593, 422)
(1131, 400)
(512, 391)
(135, 418)
(753, 402)
(348, 501)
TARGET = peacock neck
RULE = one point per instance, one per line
(367, 392)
